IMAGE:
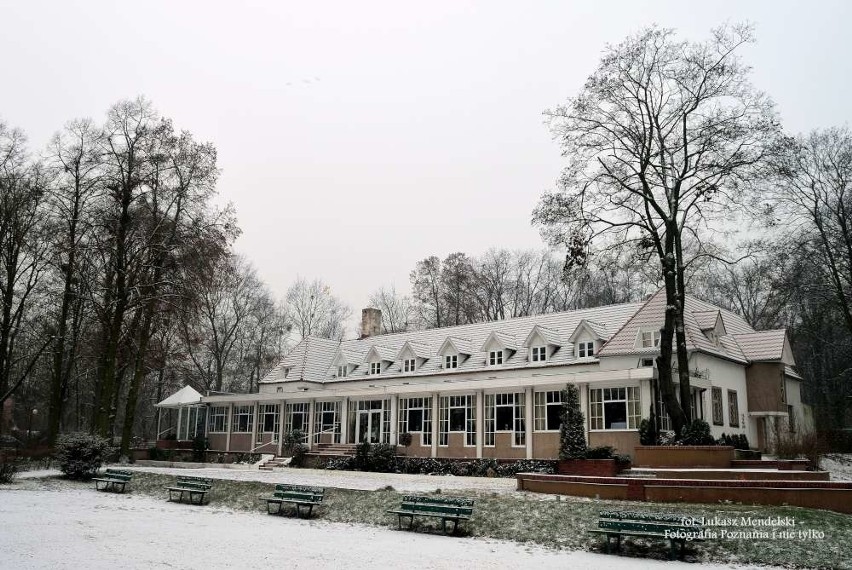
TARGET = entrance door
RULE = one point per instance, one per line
(369, 426)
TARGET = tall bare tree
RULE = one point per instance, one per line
(397, 310)
(313, 309)
(659, 142)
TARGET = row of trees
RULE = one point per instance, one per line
(119, 283)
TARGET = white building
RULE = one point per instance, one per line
(493, 389)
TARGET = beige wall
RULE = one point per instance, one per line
(623, 441)
(546, 445)
(503, 448)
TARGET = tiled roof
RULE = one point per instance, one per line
(706, 319)
(698, 316)
(763, 345)
(466, 338)
(313, 358)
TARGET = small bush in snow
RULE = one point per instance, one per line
(80, 455)
(666, 438)
(8, 469)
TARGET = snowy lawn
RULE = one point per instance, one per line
(79, 528)
(549, 521)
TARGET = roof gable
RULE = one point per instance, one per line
(499, 340)
(548, 336)
(459, 345)
(596, 330)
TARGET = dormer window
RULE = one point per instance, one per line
(586, 349)
(539, 354)
(375, 368)
(286, 372)
(495, 357)
(451, 361)
(651, 339)
(343, 371)
(409, 364)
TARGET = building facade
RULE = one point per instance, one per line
(493, 389)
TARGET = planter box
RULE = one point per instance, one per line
(174, 444)
(747, 454)
(591, 467)
(718, 456)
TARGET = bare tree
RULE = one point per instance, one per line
(23, 257)
(314, 311)
(397, 311)
(74, 155)
(812, 199)
(659, 142)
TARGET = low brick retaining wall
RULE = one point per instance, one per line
(728, 475)
(782, 464)
(834, 496)
(719, 456)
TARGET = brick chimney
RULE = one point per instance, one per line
(371, 322)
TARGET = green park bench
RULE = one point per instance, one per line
(192, 487)
(113, 480)
(445, 508)
(295, 495)
(672, 527)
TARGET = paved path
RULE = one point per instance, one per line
(348, 479)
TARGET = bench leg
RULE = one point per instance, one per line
(310, 510)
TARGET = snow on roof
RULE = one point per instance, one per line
(313, 358)
(549, 336)
(183, 397)
(706, 319)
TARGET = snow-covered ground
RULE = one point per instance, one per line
(348, 479)
(75, 528)
(839, 465)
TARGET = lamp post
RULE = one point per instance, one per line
(33, 413)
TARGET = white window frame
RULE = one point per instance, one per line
(375, 368)
(273, 411)
(467, 402)
(585, 349)
(517, 426)
(538, 354)
(451, 361)
(424, 404)
(650, 338)
(217, 421)
(343, 371)
(243, 415)
(600, 397)
(543, 402)
(495, 358)
(409, 365)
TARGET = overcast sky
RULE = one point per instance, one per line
(356, 138)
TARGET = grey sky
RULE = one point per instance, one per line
(356, 138)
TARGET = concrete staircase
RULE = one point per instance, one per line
(325, 449)
(271, 464)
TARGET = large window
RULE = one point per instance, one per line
(548, 410)
(733, 409)
(243, 418)
(495, 357)
(614, 408)
(586, 349)
(269, 420)
(327, 421)
(415, 415)
(218, 419)
(505, 413)
(451, 361)
(717, 406)
(539, 353)
(296, 417)
(458, 414)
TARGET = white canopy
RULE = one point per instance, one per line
(186, 396)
